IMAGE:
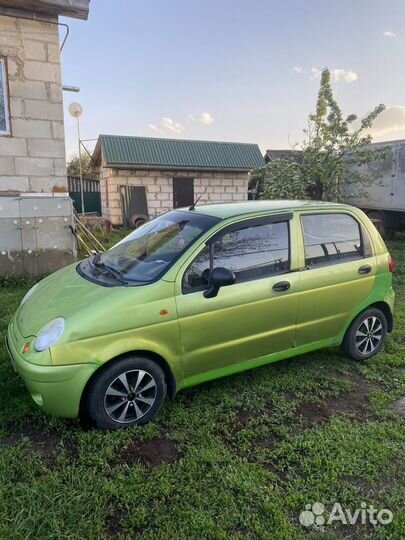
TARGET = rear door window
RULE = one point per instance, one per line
(331, 238)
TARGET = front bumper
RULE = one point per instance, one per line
(56, 389)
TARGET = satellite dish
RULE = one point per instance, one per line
(75, 109)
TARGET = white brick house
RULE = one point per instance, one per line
(32, 140)
(142, 177)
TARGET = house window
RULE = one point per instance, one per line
(4, 106)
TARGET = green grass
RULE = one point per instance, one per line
(237, 458)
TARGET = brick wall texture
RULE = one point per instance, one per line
(33, 158)
(213, 186)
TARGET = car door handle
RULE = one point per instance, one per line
(281, 286)
(365, 269)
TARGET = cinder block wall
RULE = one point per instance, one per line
(213, 186)
(33, 158)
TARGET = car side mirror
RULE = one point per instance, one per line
(220, 277)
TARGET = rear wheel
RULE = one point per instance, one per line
(366, 335)
(129, 392)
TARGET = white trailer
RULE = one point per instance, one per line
(385, 199)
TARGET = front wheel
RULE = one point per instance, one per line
(129, 392)
(366, 335)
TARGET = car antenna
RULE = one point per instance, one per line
(192, 207)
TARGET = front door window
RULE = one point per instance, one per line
(250, 252)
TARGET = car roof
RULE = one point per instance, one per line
(228, 210)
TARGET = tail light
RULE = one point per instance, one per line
(391, 264)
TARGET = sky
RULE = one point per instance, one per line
(232, 70)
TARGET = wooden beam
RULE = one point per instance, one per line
(77, 9)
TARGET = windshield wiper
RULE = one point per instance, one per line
(106, 269)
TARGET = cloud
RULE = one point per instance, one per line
(167, 125)
(298, 69)
(338, 75)
(205, 118)
(389, 34)
(390, 123)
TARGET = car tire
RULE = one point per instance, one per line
(366, 335)
(128, 392)
(137, 220)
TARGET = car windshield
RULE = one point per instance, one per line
(149, 251)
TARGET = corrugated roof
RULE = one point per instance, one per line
(177, 153)
(289, 155)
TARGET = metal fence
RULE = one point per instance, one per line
(91, 194)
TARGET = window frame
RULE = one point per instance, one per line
(244, 224)
(6, 93)
(362, 255)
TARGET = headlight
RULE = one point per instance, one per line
(28, 295)
(50, 334)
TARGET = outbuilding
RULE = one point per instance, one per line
(143, 177)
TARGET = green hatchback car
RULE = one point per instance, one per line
(197, 294)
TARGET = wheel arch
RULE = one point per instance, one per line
(159, 360)
(381, 305)
(385, 308)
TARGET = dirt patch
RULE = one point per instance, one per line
(48, 445)
(45, 444)
(113, 523)
(151, 453)
(355, 403)
(399, 406)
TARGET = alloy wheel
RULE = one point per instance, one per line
(130, 396)
(369, 335)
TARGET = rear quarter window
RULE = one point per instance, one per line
(331, 238)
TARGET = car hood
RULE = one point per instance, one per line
(61, 294)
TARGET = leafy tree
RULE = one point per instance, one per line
(280, 179)
(333, 152)
(73, 167)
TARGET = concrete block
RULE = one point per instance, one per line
(36, 30)
(46, 148)
(53, 53)
(33, 166)
(42, 71)
(10, 146)
(240, 181)
(219, 189)
(7, 166)
(56, 93)
(9, 39)
(13, 68)
(154, 204)
(43, 110)
(8, 24)
(42, 184)
(39, 129)
(151, 196)
(34, 50)
(28, 89)
(59, 166)
(134, 181)
(14, 183)
(16, 107)
(164, 197)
